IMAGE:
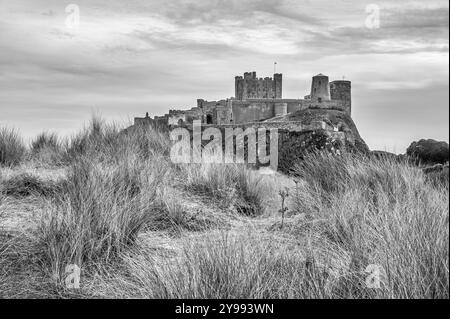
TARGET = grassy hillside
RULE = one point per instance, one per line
(140, 226)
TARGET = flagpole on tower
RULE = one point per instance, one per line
(274, 67)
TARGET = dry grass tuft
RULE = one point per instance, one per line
(12, 148)
(102, 210)
(385, 213)
(231, 184)
(46, 150)
(25, 184)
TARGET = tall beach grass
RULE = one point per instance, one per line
(12, 147)
(385, 213)
(346, 213)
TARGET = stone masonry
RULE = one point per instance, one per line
(260, 99)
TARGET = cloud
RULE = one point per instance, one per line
(152, 55)
(273, 30)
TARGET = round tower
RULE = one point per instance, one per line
(341, 90)
(320, 88)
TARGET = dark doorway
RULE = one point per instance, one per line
(209, 119)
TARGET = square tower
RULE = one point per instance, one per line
(251, 87)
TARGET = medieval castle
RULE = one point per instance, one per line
(258, 100)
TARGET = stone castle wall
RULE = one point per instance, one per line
(259, 99)
(251, 110)
(263, 109)
(292, 126)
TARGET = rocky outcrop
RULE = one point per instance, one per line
(338, 132)
(335, 121)
(429, 152)
(296, 145)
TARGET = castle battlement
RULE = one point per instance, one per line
(249, 86)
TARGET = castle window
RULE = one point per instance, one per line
(209, 119)
(319, 99)
(180, 122)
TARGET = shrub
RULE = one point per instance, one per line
(12, 148)
(428, 152)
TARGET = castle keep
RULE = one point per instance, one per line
(260, 99)
(250, 87)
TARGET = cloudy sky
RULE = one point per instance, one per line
(125, 58)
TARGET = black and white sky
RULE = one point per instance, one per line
(126, 58)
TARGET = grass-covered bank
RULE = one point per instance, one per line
(140, 226)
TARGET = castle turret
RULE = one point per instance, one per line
(278, 83)
(239, 87)
(341, 90)
(320, 88)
